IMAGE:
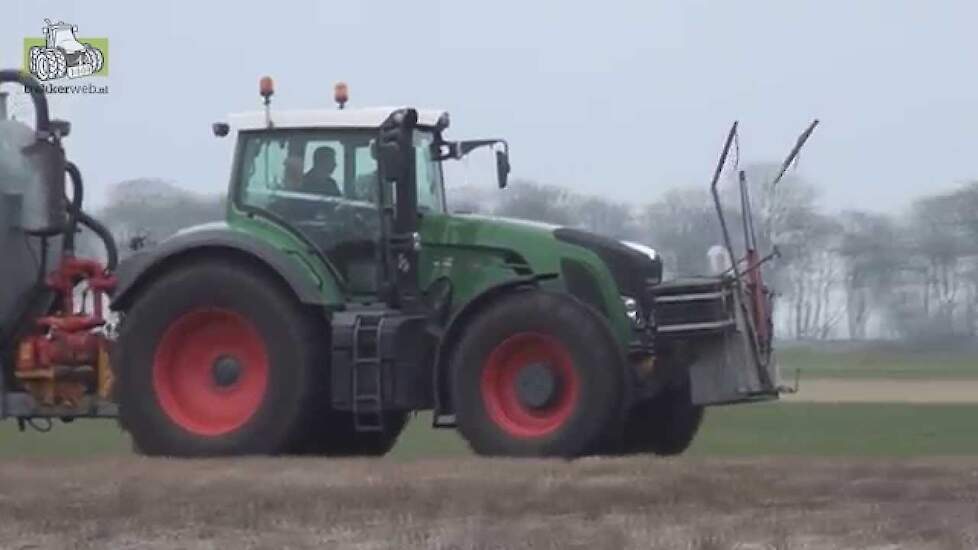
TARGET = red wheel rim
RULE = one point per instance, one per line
(184, 378)
(499, 385)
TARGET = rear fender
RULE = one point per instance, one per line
(307, 284)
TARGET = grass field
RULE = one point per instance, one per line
(773, 429)
(877, 360)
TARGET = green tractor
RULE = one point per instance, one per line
(340, 295)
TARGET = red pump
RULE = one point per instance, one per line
(65, 358)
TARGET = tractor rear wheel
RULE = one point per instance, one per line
(217, 359)
(537, 374)
(35, 53)
(665, 425)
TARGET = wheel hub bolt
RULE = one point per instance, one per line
(536, 385)
(226, 371)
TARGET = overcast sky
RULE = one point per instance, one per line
(617, 98)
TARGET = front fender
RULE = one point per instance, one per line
(308, 286)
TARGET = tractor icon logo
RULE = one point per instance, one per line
(63, 54)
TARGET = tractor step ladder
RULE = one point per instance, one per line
(368, 376)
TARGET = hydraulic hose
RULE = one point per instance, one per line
(111, 250)
(77, 215)
(74, 207)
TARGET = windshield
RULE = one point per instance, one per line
(63, 34)
(339, 164)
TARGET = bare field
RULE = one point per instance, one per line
(641, 502)
(840, 390)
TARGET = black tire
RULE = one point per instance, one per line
(336, 436)
(42, 67)
(59, 63)
(665, 425)
(153, 363)
(35, 52)
(95, 57)
(582, 406)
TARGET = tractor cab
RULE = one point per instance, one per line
(320, 174)
(62, 35)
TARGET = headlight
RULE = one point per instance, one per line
(633, 312)
(648, 251)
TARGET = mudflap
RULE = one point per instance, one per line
(708, 319)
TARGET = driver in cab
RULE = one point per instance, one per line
(319, 179)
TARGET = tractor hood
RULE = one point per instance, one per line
(515, 223)
(550, 228)
(543, 246)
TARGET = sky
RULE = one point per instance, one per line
(613, 98)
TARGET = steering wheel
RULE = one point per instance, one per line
(330, 221)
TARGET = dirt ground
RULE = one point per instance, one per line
(473, 503)
(883, 390)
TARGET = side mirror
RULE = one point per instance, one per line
(220, 129)
(502, 168)
(459, 149)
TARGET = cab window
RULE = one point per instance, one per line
(316, 164)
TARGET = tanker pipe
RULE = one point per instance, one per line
(42, 122)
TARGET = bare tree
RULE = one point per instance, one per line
(812, 269)
(682, 225)
(531, 201)
(872, 250)
(604, 217)
(938, 241)
(154, 209)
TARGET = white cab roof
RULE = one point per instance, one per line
(371, 117)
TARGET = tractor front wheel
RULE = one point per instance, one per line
(664, 425)
(57, 62)
(216, 359)
(537, 374)
(94, 57)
